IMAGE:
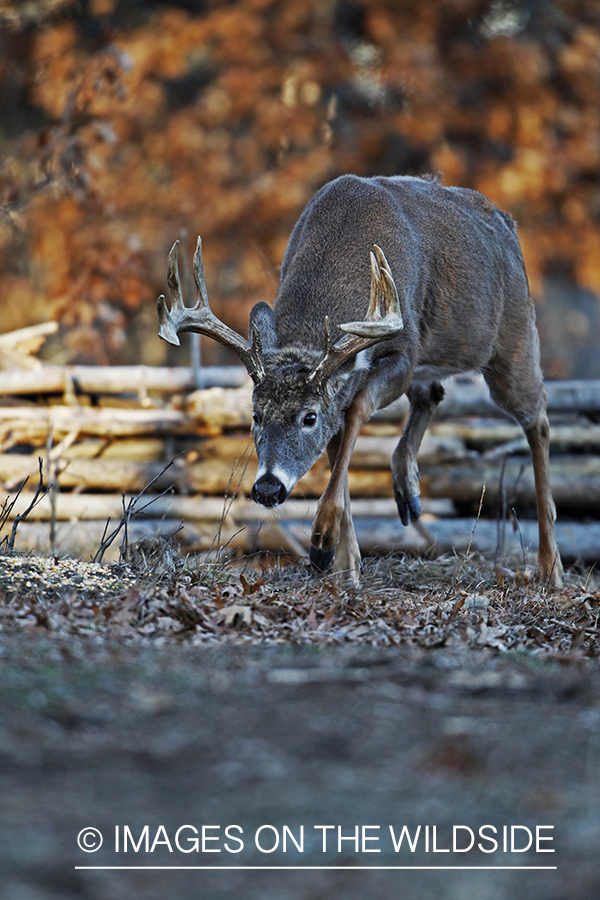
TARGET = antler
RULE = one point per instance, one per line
(200, 318)
(374, 328)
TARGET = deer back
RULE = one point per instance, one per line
(454, 256)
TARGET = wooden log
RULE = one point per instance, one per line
(216, 476)
(466, 398)
(443, 441)
(197, 509)
(222, 408)
(98, 474)
(573, 396)
(376, 452)
(577, 541)
(48, 379)
(32, 424)
(487, 433)
(575, 482)
(453, 441)
(17, 360)
(471, 397)
(83, 538)
(33, 335)
(142, 449)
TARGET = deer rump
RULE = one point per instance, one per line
(387, 286)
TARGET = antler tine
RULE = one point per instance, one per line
(391, 301)
(329, 348)
(323, 365)
(200, 317)
(199, 276)
(384, 296)
(373, 310)
(168, 320)
(373, 329)
(173, 279)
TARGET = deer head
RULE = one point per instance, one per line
(300, 393)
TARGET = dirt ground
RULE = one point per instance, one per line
(439, 694)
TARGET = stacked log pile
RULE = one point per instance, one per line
(108, 435)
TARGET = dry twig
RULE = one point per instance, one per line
(39, 493)
(128, 513)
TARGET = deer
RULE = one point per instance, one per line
(389, 284)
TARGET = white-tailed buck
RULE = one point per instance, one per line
(388, 285)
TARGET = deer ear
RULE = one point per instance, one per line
(263, 319)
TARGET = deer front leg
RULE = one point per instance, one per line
(332, 530)
(346, 563)
(347, 552)
(405, 471)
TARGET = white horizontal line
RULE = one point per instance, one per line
(341, 868)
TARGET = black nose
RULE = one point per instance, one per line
(268, 491)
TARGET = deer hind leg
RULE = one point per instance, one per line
(521, 393)
(405, 471)
(538, 437)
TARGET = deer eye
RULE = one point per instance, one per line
(310, 419)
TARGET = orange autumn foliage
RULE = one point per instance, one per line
(127, 122)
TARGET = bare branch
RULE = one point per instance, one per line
(128, 514)
(39, 493)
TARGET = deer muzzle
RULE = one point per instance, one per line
(268, 490)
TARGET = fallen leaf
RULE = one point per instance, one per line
(251, 588)
(503, 575)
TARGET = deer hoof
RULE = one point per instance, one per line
(552, 573)
(321, 559)
(409, 510)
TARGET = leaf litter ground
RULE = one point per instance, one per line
(423, 603)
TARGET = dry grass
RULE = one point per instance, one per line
(162, 597)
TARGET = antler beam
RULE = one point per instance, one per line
(200, 317)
